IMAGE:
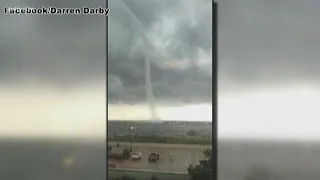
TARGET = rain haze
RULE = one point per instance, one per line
(176, 39)
(268, 68)
(267, 59)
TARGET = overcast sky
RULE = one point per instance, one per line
(178, 44)
(268, 42)
(268, 51)
(52, 72)
(269, 68)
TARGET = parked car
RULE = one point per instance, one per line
(112, 164)
(125, 154)
(136, 156)
(153, 157)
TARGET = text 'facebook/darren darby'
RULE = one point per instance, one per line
(55, 11)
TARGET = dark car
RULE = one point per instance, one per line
(153, 157)
(111, 164)
(125, 154)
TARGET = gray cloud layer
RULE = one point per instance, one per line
(268, 42)
(176, 31)
(58, 49)
(260, 42)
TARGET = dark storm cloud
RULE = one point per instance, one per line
(58, 49)
(268, 42)
(176, 31)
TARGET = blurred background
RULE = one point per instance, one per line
(52, 93)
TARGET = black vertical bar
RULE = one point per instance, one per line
(215, 90)
(107, 127)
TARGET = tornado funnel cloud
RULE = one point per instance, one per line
(148, 84)
(149, 91)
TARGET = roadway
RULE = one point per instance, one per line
(182, 156)
(145, 175)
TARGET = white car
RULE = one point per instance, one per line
(136, 156)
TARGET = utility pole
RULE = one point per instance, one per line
(132, 135)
